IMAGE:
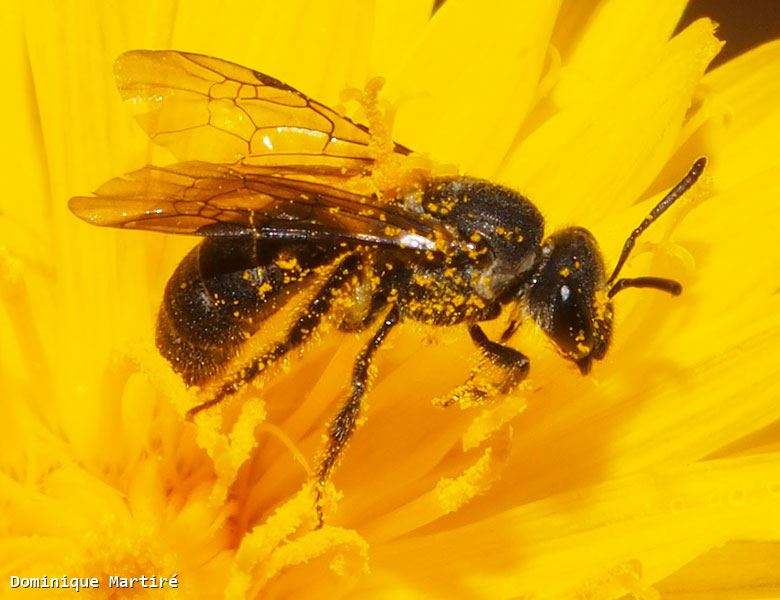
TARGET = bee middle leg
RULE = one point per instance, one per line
(301, 330)
(509, 365)
(343, 425)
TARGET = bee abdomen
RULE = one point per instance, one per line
(194, 363)
(217, 298)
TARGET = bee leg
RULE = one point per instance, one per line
(343, 425)
(301, 330)
(375, 305)
(509, 368)
(510, 330)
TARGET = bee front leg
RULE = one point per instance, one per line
(505, 370)
(342, 427)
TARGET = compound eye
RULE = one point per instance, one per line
(572, 322)
(566, 299)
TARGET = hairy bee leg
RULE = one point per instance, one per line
(510, 330)
(302, 329)
(513, 366)
(343, 425)
(377, 304)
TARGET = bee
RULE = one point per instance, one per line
(265, 181)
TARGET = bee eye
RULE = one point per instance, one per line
(563, 298)
(571, 326)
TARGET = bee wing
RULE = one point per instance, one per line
(204, 108)
(212, 200)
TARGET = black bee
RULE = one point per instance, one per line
(267, 181)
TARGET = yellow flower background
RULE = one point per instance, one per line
(656, 475)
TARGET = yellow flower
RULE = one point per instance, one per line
(657, 473)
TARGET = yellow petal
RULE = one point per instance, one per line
(636, 531)
(747, 92)
(317, 47)
(738, 570)
(495, 52)
(621, 42)
(396, 22)
(585, 161)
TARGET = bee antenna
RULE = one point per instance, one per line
(670, 286)
(660, 208)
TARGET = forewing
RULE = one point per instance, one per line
(274, 203)
(204, 108)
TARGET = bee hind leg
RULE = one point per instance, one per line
(343, 425)
(302, 329)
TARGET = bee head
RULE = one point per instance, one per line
(569, 297)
